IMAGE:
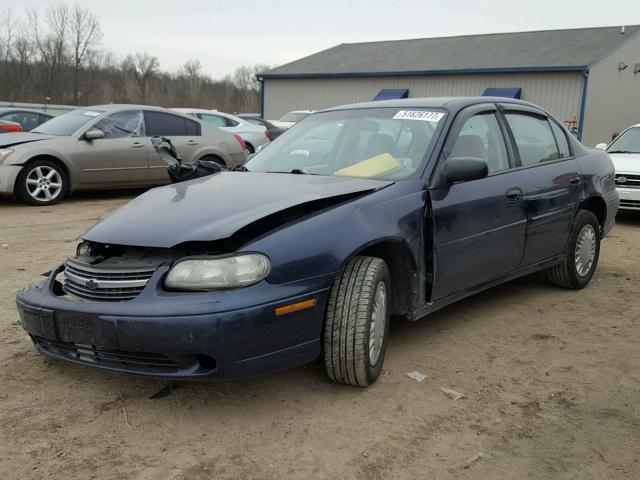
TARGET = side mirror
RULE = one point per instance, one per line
(463, 169)
(601, 146)
(93, 135)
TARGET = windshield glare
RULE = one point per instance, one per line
(294, 116)
(628, 142)
(67, 123)
(381, 143)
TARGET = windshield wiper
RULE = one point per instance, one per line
(295, 171)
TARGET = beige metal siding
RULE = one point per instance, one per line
(613, 95)
(559, 93)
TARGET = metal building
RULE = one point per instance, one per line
(589, 77)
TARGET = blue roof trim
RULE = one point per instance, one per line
(568, 68)
(391, 94)
(502, 92)
(583, 103)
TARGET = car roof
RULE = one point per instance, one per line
(29, 110)
(447, 103)
(204, 110)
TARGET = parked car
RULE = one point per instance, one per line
(28, 119)
(291, 118)
(274, 132)
(6, 126)
(105, 146)
(625, 153)
(420, 203)
(254, 136)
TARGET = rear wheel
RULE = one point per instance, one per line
(581, 255)
(357, 322)
(42, 182)
(250, 148)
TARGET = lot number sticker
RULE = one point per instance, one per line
(421, 115)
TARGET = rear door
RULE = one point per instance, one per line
(552, 178)
(185, 135)
(479, 224)
(118, 158)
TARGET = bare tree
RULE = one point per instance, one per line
(85, 37)
(51, 43)
(143, 67)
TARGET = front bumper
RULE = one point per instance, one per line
(180, 335)
(629, 198)
(8, 176)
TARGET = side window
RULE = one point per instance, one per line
(561, 138)
(165, 124)
(230, 122)
(215, 120)
(193, 128)
(480, 137)
(122, 125)
(534, 138)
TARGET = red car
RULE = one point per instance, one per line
(6, 126)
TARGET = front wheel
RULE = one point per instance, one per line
(357, 322)
(581, 254)
(42, 182)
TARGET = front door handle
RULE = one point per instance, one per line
(514, 194)
(137, 144)
(191, 142)
(574, 181)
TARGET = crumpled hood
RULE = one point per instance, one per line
(17, 138)
(215, 207)
(626, 162)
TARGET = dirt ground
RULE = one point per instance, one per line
(551, 381)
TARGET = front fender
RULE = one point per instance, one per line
(34, 151)
(324, 241)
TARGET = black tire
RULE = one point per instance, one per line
(566, 274)
(347, 323)
(26, 191)
(214, 158)
(250, 148)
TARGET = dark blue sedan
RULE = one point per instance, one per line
(355, 215)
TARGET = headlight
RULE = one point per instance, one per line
(206, 274)
(4, 153)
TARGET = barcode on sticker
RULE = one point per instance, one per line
(421, 115)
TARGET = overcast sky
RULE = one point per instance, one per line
(224, 34)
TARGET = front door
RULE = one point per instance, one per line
(479, 224)
(552, 178)
(118, 158)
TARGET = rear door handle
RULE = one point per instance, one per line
(191, 142)
(574, 181)
(514, 194)
(137, 144)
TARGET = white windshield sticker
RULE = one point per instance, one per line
(89, 113)
(421, 115)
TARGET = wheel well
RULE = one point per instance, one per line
(598, 206)
(403, 272)
(51, 159)
(214, 158)
(249, 146)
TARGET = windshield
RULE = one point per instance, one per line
(68, 123)
(628, 142)
(381, 143)
(294, 116)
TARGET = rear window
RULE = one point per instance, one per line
(167, 125)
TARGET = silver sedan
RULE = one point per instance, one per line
(103, 147)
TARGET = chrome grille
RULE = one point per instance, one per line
(627, 180)
(87, 282)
